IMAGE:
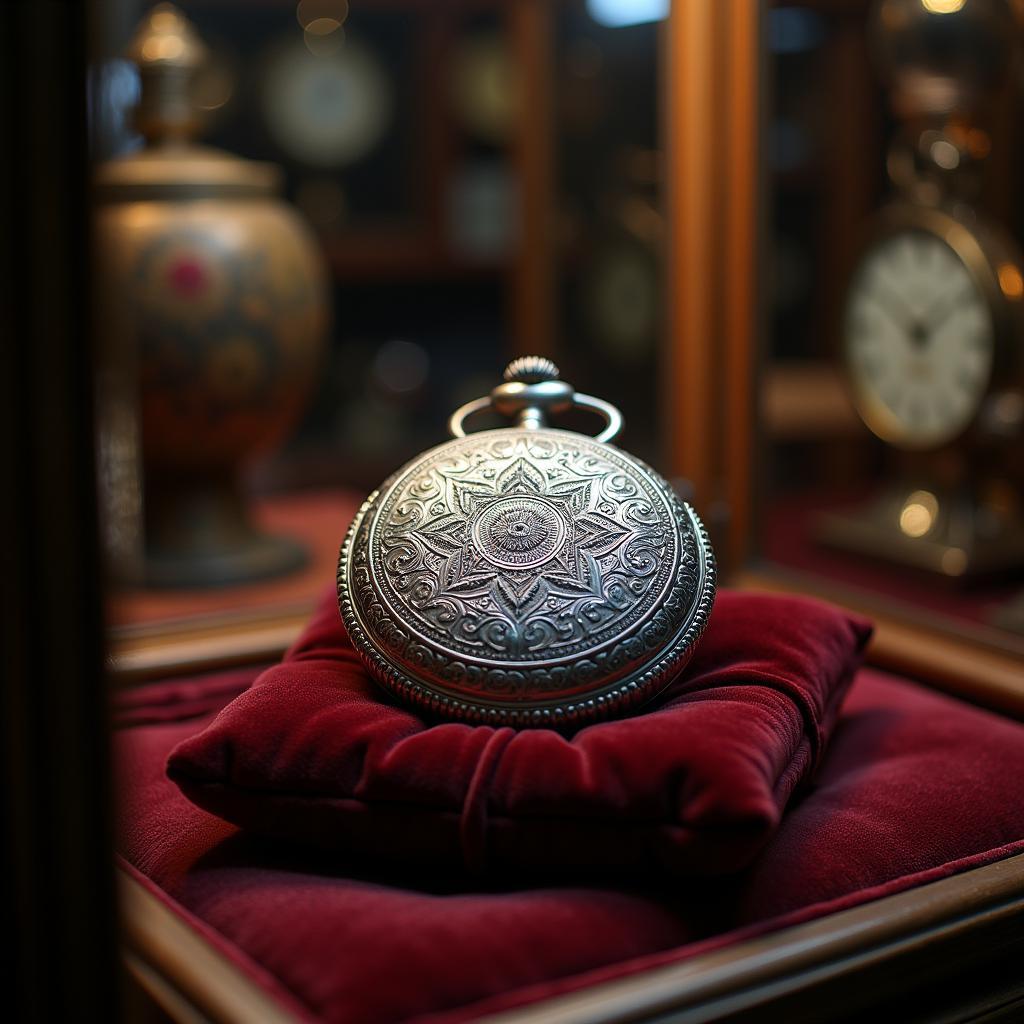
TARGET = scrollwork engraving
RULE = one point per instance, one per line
(525, 578)
(493, 554)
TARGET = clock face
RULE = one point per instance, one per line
(919, 339)
(326, 110)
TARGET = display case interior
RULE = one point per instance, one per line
(889, 446)
(481, 180)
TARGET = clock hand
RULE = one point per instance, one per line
(896, 311)
(942, 308)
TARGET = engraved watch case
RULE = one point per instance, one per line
(526, 576)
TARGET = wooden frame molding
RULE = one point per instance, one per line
(531, 295)
(850, 944)
(867, 952)
(954, 664)
(56, 821)
(692, 71)
(713, 133)
(189, 647)
(188, 977)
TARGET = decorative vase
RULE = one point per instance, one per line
(213, 292)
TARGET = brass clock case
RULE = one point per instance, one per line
(994, 268)
(526, 575)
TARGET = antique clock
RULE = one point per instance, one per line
(932, 337)
(930, 324)
(932, 327)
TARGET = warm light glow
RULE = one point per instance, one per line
(163, 47)
(918, 514)
(323, 26)
(321, 22)
(945, 154)
(954, 561)
(164, 20)
(915, 520)
(1010, 281)
(942, 6)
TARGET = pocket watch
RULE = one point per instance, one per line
(526, 575)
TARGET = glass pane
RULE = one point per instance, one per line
(469, 182)
(892, 383)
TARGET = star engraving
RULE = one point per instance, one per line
(519, 540)
(519, 554)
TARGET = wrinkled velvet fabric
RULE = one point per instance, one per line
(914, 787)
(316, 753)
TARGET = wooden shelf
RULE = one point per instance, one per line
(388, 255)
(807, 400)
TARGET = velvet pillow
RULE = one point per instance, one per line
(315, 752)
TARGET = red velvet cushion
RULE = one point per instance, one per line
(914, 786)
(314, 751)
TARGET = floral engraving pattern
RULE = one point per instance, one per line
(449, 523)
(524, 550)
(518, 532)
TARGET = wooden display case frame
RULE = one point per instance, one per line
(952, 945)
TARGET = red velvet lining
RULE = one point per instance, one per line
(617, 971)
(915, 786)
(315, 752)
(177, 699)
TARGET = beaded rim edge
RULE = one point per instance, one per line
(619, 698)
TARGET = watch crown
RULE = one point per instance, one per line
(531, 370)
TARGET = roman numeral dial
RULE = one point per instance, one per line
(919, 340)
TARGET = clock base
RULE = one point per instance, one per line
(948, 535)
(200, 533)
